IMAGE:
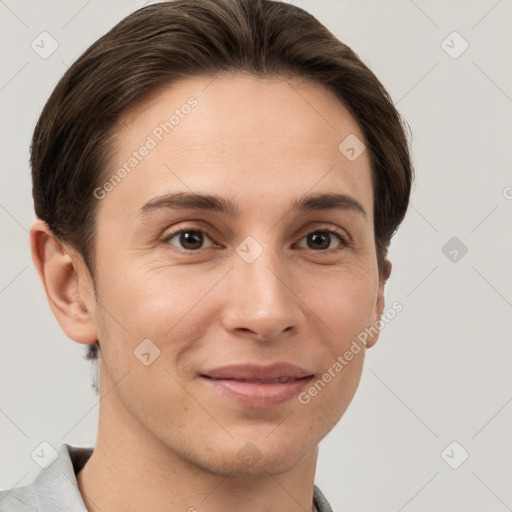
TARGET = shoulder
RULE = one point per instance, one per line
(19, 499)
(320, 501)
(55, 487)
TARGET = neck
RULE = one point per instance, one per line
(131, 470)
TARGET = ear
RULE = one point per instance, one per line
(67, 283)
(374, 331)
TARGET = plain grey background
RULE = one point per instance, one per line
(437, 386)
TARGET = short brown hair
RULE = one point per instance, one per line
(159, 44)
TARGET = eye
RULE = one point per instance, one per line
(320, 239)
(191, 239)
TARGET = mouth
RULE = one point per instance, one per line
(258, 386)
(280, 380)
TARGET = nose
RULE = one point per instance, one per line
(261, 301)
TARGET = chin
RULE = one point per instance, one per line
(266, 466)
(250, 461)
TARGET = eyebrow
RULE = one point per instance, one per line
(219, 204)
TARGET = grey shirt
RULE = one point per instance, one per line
(55, 488)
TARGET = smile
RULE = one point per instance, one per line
(258, 386)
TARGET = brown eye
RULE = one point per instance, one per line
(188, 239)
(320, 240)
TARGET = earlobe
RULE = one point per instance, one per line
(68, 287)
(379, 304)
(386, 272)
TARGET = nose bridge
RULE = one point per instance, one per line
(260, 267)
(260, 298)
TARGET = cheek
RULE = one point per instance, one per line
(346, 304)
(344, 308)
(137, 299)
(170, 309)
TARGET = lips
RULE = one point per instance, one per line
(258, 386)
(251, 372)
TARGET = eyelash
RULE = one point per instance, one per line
(344, 240)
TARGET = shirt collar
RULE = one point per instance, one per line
(56, 488)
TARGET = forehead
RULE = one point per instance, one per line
(240, 134)
(242, 106)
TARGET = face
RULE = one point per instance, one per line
(200, 303)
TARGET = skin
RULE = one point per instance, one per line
(166, 441)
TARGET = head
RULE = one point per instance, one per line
(304, 168)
